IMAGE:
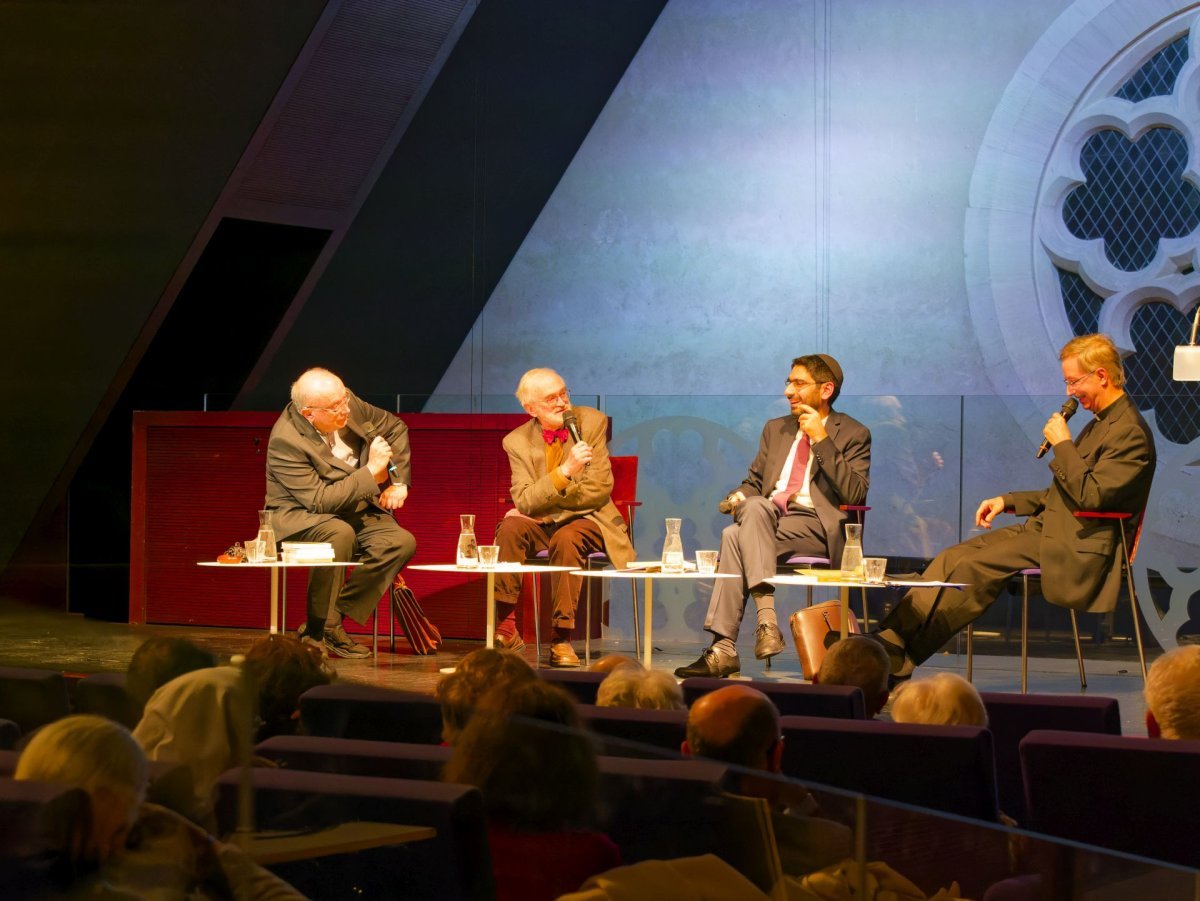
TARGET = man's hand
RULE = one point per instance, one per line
(579, 457)
(1056, 430)
(734, 499)
(393, 497)
(378, 457)
(989, 510)
(809, 421)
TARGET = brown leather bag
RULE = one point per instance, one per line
(418, 628)
(814, 629)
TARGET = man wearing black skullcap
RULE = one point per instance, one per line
(809, 464)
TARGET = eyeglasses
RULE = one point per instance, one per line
(798, 384)
(564, 396)
(1071, 383)
(343, 406)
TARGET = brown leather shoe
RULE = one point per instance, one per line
(512, 642)
(562, 654)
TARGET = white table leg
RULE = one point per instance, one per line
(647, 625)
(491, 609)
(275, 601)
(844, 597)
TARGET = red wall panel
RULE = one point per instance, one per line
(199, 478)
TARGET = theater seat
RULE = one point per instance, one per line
(791, 698)
(454, 865)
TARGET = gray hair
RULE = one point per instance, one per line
(648, 689)
(529, 379)
(946, 699)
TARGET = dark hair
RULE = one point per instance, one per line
(821, 372)
(283, 668)
(525, 750)
(158, 661)
(476, 674)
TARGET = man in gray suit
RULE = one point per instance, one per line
(1108, 468)
(336, 469)
(809, 464)
(562, 489)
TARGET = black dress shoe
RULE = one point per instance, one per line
(711, 664)
(768, 641)
(898, 662)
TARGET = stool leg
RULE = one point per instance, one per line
(970, 650)
(866, 620)
(587, 621)
(537, 621)
(1137, 625)
(1078, 650)
(1024, 634)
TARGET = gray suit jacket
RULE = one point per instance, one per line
(590, 492)
(1109, 467)
(841, 470)
(307, 484)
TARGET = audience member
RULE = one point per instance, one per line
(739, 725)
(1173, 695)
(125, 848)
(201, 719)
(610, 662)
(645, 689)
(525, 750)
(476, 674)
(858, 661)
(158, 661)
(944, 699)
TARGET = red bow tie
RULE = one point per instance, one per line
(552, 435)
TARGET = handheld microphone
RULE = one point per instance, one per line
(1068, 410)
(572, 426)
(391, 468)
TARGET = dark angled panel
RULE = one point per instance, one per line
(120, 123)
(215, 330)
(512, 105)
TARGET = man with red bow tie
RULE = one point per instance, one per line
(562, 490)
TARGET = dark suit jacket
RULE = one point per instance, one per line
(1109, 467)
(307, 484)
(841, 470)
(590, 492)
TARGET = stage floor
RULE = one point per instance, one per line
(75, 645)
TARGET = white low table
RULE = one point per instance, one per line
(846, 584)
(648, 576)
(490, 572)
(278, 599)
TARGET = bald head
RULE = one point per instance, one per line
(317, 388)
(735, 724)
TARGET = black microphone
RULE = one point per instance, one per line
(572, 426)
(1068, 410)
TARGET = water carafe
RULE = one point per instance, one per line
(852, 556)
(672, 554)
(266, 534)
(468, 550)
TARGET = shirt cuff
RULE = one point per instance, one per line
(558, 480)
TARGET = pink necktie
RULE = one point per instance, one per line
(796, 479)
